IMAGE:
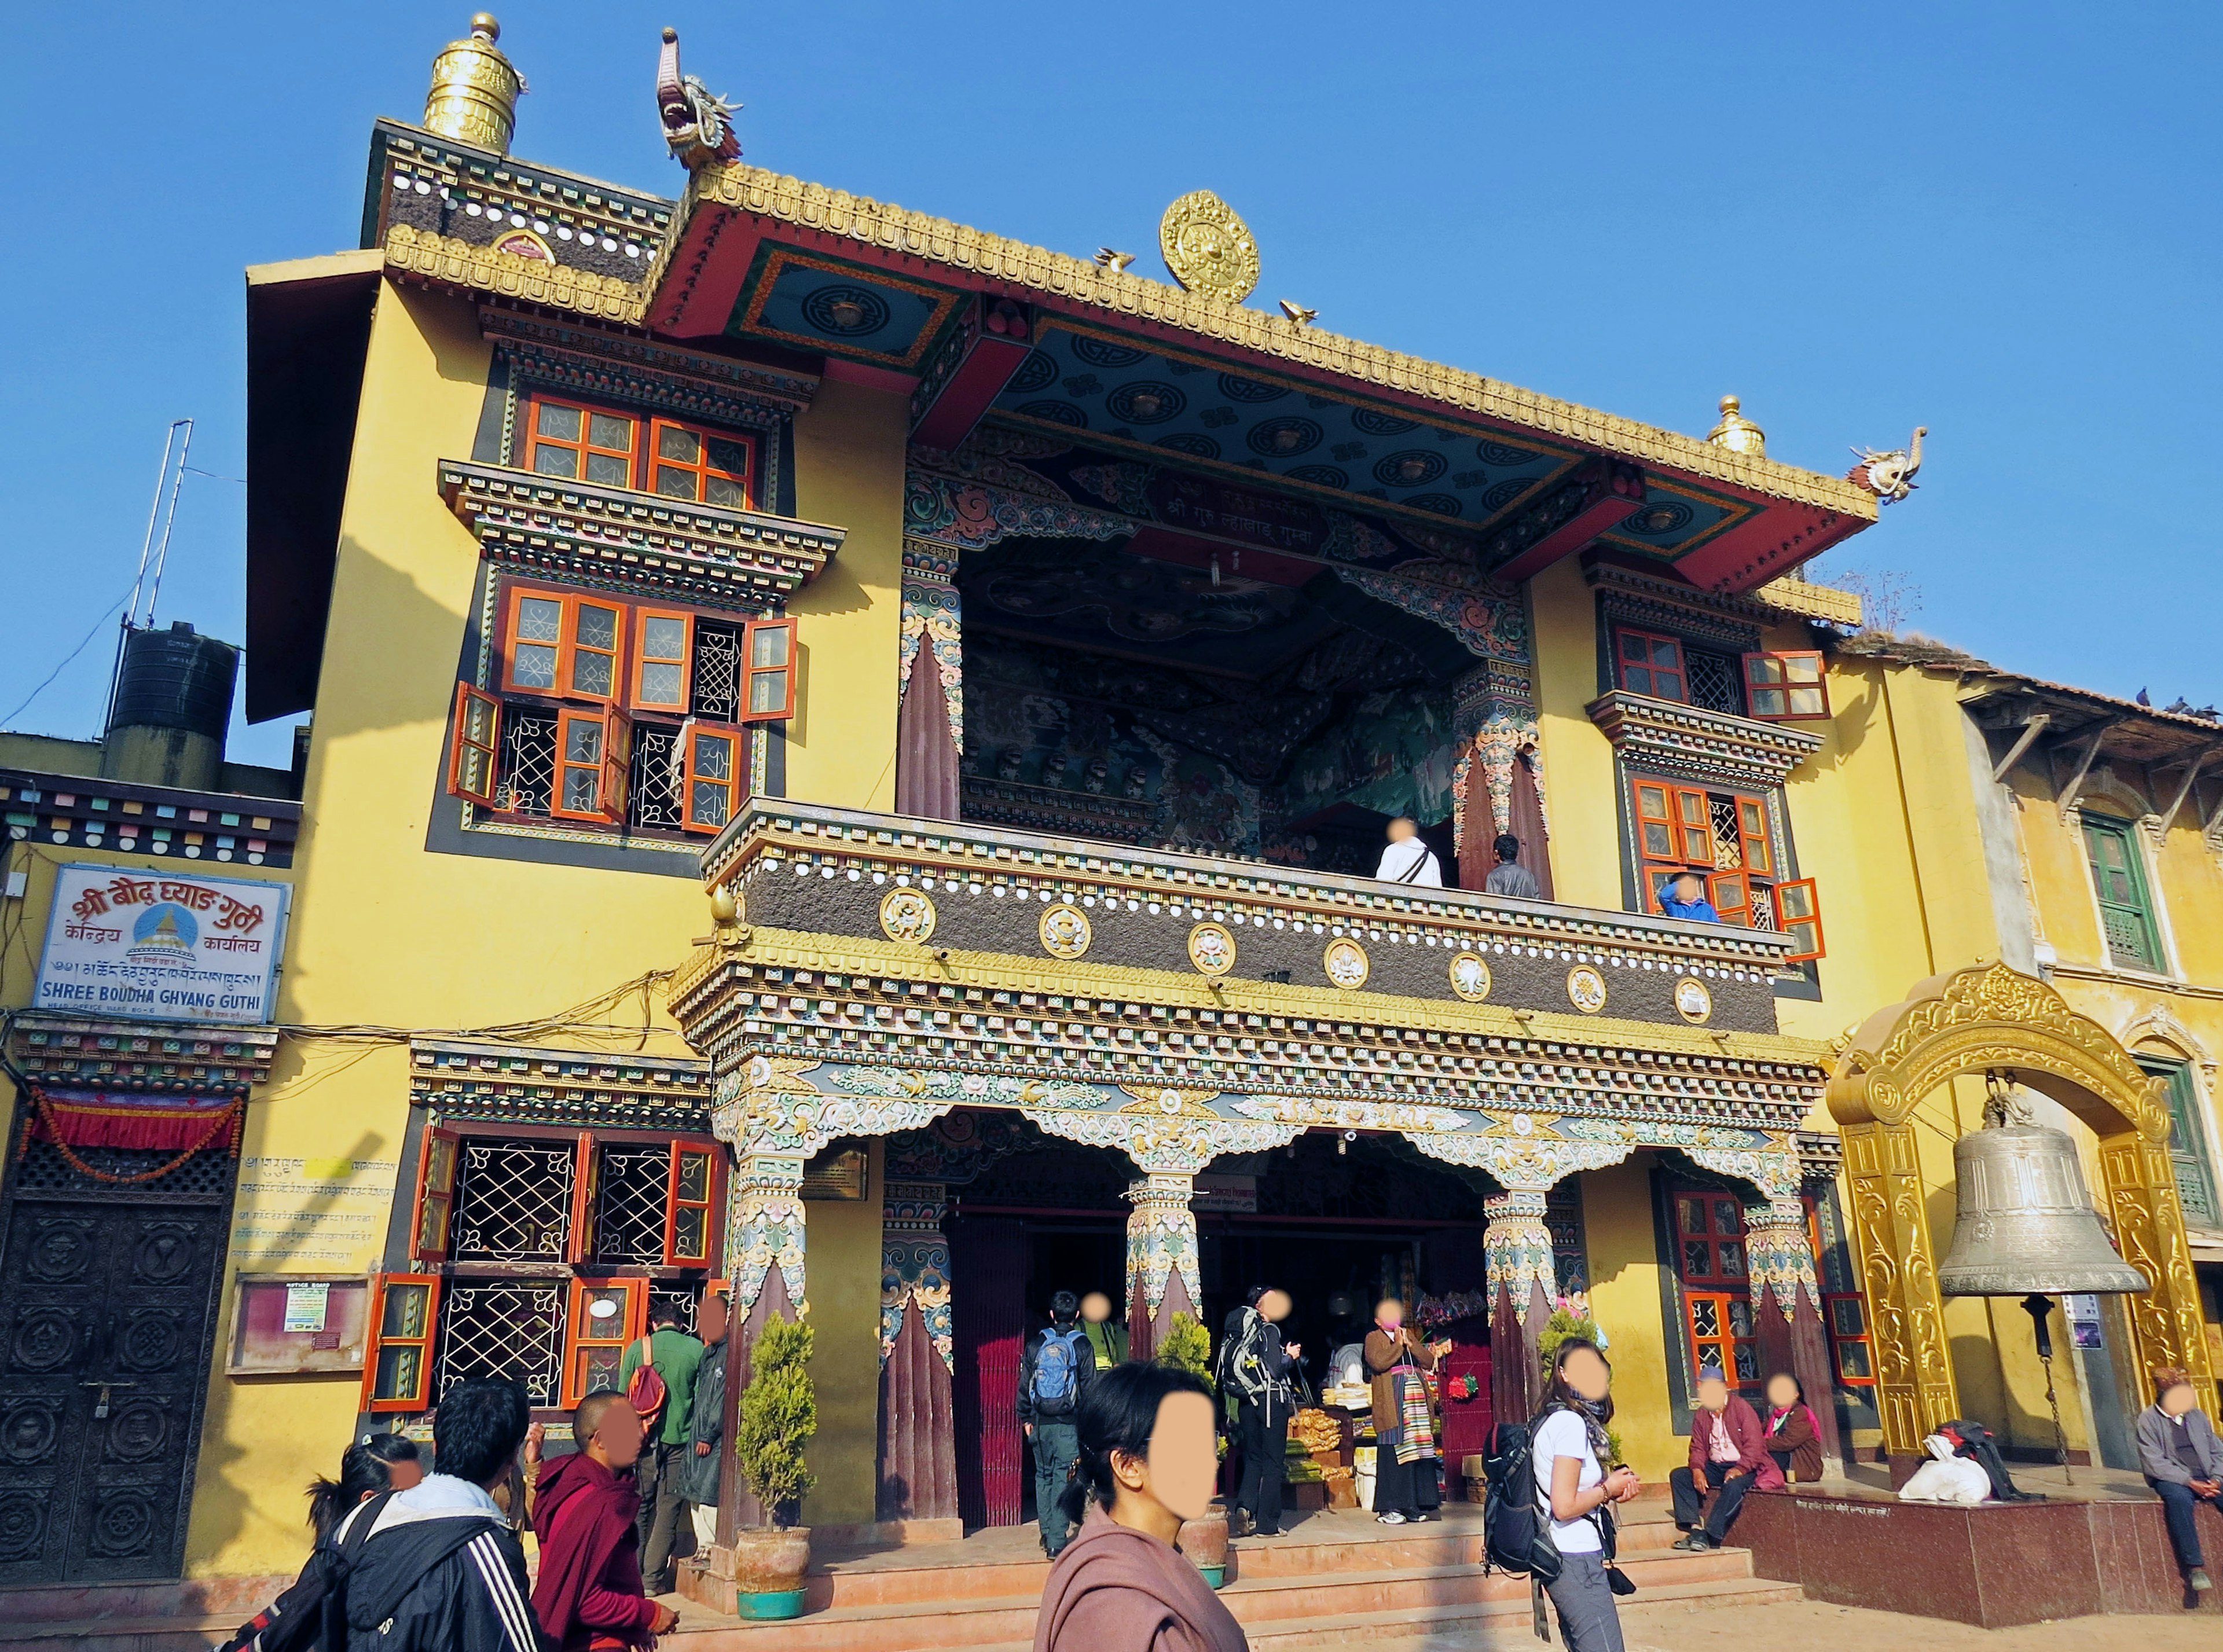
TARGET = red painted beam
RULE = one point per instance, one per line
(1567, 515)
(998, 335)
(1772, 543)
(704, 280)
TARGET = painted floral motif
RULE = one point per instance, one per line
(1350, 1115)
(932, 615)
(1167, 1131)
(1489, 618)
(915, 1266)
(1346, 964)
(1586, 989)
(907, 915)
(766, 1228)
(954, 512)
(1212, 949)
(1161, 1238)
(1470, 975)
(1780, 1255)
(1516, 1250)
(1065, 931)
(1692, 1002)
(1530, 1162)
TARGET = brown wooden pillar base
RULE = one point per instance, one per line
(918, 1427)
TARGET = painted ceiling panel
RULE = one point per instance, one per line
(818, 304)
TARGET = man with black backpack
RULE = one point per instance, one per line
(1056, 1365)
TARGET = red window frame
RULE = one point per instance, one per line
(592, 731)
(768, 672)
(1786, 686)
(702, 473)
(727, 788)
(1720, 1290)
(1646, 662)
(1849, 1331)
(680, 1203)
(569, 648)
(585, 1355)
(1798, 915)
(412, 1389)
(475, 745)
(439, 1155)
(584, 449)
(637, 695)
(586, 1190)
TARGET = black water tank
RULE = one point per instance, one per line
(176, 679)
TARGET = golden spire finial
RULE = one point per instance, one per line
(1736, 432)
(475, 90)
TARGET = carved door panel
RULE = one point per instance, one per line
(104, 1313)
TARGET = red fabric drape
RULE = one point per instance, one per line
(162, 1124)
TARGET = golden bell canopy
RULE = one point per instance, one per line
(1736, 432)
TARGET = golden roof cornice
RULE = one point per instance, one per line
(511, 276)
(753, 190)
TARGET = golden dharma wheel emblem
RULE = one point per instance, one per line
(1470, 974)
(1586, 989)
(1346, 964)
(1208, 248)
(1065, 931)
(1212, 949)
(1692, 1002)
(906, 915)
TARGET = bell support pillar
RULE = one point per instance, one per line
(1787, 1309)
(1162, 1266)
(1521, 1282)
(918, 1417)
(764, 1257)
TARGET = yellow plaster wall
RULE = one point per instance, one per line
(844, 1291)
(1621, 1238)
(1578, 759)
(849, 456)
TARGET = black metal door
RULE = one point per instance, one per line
(105, 1309)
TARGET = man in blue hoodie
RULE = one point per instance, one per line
(442, 1570)
(1683, 896)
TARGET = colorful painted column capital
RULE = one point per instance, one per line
(765, 1229)
(915, 1265)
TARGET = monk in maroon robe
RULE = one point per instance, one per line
(590, 1597)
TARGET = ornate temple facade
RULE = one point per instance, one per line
(849, 761)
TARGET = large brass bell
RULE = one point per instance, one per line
(2025, 1225)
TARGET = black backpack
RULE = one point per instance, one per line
(1517, 1538)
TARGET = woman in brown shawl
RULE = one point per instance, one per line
(1407, 1458)
(1147, 1464)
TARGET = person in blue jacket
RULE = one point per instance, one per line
(1683, 896)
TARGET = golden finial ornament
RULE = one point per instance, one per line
(475, 90)
(1736, 432)
(1208, 248)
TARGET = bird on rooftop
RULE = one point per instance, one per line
(1113, 260)
(1297, 312)
(2142, 701)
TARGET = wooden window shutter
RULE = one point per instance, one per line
(1655, 819)
(1694, 816)
(1731, 894)
(1651, 664)
(583, 741)
(1798, 915)
(1786, 687)
(768, 687)
(594, 635)
(586, 1190)
(617, 764)
(600, 1318)
(664, 656)
(397, 1361)
(533, 646)
(477, 740)
(1751, 836)
(687, 1240)
(430, 1238)
(712, 777)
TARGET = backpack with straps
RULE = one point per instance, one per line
(340, 1557)
(1057, 1371)
(1517, 1538)
(645, 1391)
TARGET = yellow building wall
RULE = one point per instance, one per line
(1577, 760)
(844, 1292)
(1621, 1235)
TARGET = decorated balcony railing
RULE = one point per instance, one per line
(562, 529)
(888, 958)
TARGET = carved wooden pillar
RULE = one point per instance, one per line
(1915, 1389)
(1521, 1282)
(2140, 1186)
(764, 1256)
(930, 715)
(1787, 1309)
(918, 1426)
(1162, 1269)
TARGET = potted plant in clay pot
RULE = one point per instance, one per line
(779, 1413)
(1187, 1347)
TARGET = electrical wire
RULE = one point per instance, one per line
(25, 704)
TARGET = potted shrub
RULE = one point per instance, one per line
(1187, 1347)
(779, 1413)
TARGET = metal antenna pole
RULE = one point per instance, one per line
(162, 555)
(146, 553)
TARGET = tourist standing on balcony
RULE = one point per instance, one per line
(1729, 1457)
(2183, 1463)
(1146, 1465)
(675, 1357)
(1509, 876)
(1407, 860)
(1257, 1369)
(1683, 896)
(1408, 1467)
(1107, 1338)
(1055, 1371)
(1573, 1488)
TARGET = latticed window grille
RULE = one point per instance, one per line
(512, 1201)
(656, 779)
(717, 671)
(509, 1328)
(683, 1300)
(1763, 907)
(1728, 847)
(527, 783)
(629, 1214)
(207, 1175)
(1715, 681)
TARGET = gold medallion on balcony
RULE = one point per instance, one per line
(1586, 989)
(1470, 974)
(906, 915)
(1346, 964)
(1692, 1002)
(1212, 949)
(1065, 931)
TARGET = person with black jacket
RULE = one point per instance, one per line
(1258, 1370)
(442, 1570)
(1054, 1365)
(295, 1621)
(699, 1479)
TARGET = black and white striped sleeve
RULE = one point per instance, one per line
(519, 1631)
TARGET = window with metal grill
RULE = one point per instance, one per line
(2119, 879)
(1716, 681)
(2189, 1148)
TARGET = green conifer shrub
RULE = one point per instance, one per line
(779, 1414)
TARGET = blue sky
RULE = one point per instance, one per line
(1999, 221)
